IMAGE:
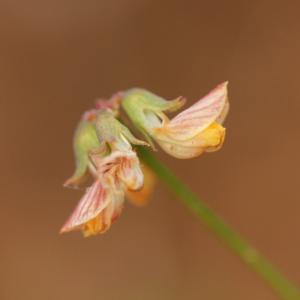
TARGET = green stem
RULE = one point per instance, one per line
(230, 238)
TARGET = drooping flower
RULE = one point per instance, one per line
(115, 168)
(103, 202)
(103, 148)
(195, 130)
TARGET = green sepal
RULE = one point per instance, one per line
(85, 141)
(112, 132)
(146, 110)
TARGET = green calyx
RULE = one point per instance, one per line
(85, 141)
(113, 133)
(146, 110)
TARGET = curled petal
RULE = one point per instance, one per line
(210, 139)
(102, 222)
(119, 169)
(199, 116)
(131, 173)
(89, 209)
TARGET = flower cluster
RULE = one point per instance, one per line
(103, 148)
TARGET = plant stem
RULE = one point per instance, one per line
(248, 254)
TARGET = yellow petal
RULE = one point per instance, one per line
(142, 196)
(213, 137)
(94, 226)
(210, 139)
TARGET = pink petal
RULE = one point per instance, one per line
(200, 115)
(118, 169)
(91, 204)
(113, 103)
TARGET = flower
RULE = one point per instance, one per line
(115, 168)
(196, 130)
(103, 148)
(102, 203)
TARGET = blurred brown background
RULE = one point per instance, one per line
(56, 57)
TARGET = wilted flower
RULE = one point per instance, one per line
(104, 147)
(196, 130)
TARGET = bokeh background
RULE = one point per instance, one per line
(56, 57)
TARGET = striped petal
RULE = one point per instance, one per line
(108, 215)
(199, 116)
(130, 172)
(94, 201)
(119, 169)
